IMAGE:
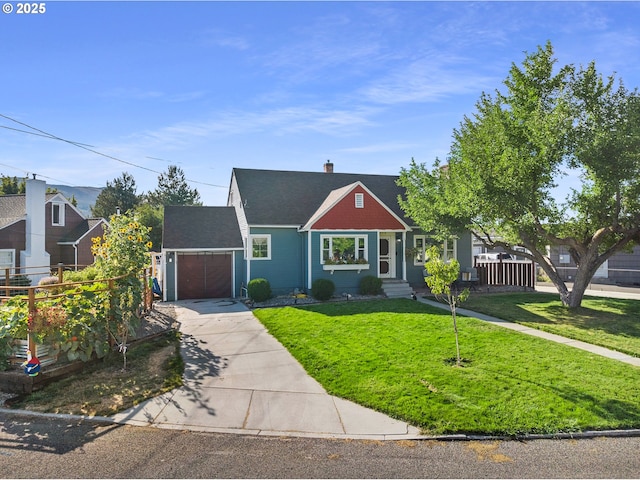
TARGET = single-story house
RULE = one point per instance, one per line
(292, 228)
(39, 230)
(622, 268)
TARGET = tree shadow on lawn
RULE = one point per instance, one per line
(609, 315)
(587, 318)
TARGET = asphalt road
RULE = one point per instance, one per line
(35, 447)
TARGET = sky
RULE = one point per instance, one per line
(208, 86)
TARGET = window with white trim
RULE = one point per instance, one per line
(6, 261)
(57, 214)
(422, 243)
(343, 249)
(260, 247)
(359, 200)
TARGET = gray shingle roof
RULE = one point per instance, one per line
(82, 229)
(275, 197)
(14, 207)
(200, 227)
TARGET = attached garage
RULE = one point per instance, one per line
(202, 253)
(205, 275)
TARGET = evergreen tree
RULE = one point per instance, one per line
(173, 190)
(118, 195)
(11, 185)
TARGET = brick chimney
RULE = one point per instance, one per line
(328, 167)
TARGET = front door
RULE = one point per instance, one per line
(387, 255)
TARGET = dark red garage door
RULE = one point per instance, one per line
(204, 275)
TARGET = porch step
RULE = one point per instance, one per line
(396, 289)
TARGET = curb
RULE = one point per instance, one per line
(588, 434)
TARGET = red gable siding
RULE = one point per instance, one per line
(345, 216)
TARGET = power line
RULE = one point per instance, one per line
(26, 173)
(39, 134)
(85, 147)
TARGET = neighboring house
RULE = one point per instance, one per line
(39, 230)
(293, 228)
(622, 268)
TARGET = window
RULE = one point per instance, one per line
(6, 261)
(57, 214)
(359, 200)
(418, 245)
(422, 243)
(261, 247)
(343, 249)
(450, 249)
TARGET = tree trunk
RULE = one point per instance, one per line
(554, 276)
(584, 275)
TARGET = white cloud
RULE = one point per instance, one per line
(327, 121)
(428, 79)
(138, 94)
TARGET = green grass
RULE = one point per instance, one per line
(608, 322)
(392, 356)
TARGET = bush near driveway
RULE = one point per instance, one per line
(391, 355)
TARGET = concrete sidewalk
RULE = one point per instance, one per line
(240, 379)
(605, 352)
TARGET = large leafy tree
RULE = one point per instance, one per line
(118, 195)
(173, 189)
(151, 216)
(507, 160)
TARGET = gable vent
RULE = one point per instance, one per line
(359, 200)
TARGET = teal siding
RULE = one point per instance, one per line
(464, 254)
(345, 281)
(240, 273)
(170, 276)
(285, 269)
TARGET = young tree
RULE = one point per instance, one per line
(173, 189)
(508, 158)
(118, 195)
(441, 279)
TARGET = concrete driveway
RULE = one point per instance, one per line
(240, 379)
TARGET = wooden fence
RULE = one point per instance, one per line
(507, 273)
(28, 293)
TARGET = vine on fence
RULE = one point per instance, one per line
(81, 321)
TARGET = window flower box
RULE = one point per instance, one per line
(345, 266)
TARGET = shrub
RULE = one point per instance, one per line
(49, 281)
(86, 274)
(370, 285)
(322, 289)
(259, 289)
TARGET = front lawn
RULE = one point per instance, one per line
(609, 322)
(392, 356)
